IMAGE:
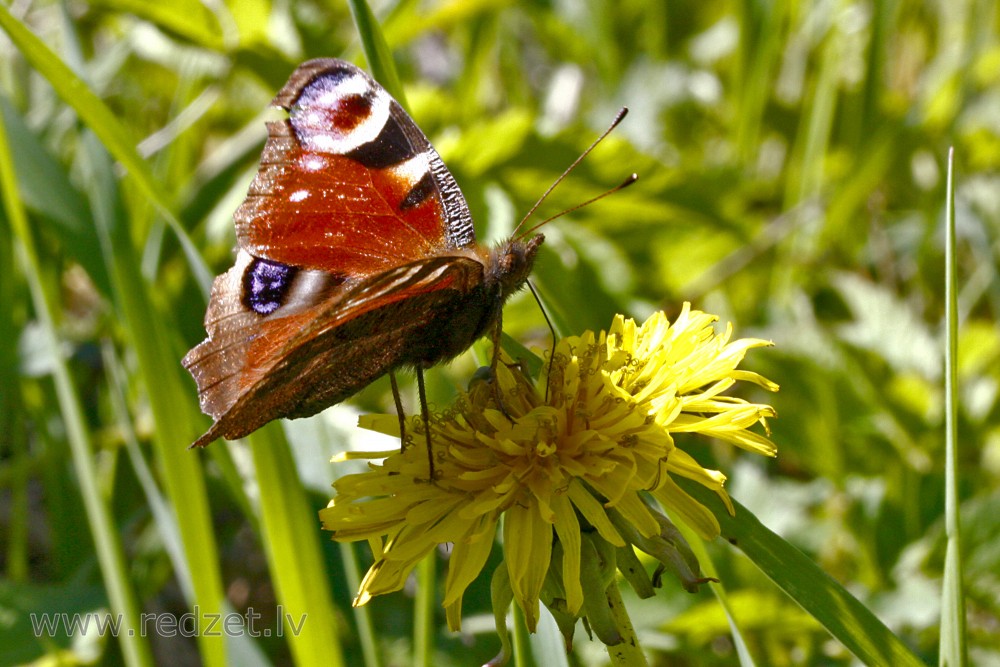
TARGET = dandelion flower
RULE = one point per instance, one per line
(566, 467)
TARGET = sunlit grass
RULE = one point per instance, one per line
(792, 179)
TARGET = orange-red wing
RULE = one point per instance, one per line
(348, 183)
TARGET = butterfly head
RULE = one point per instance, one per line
(511, 263)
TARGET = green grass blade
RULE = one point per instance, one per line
(165, 519)
(814, 142)
(103, 122)
(523, 655)
(47, 191)
(291, 540)
(846, 618)
(158, 368)
(14, 448)
(190, 19)
(954, 652)
(159, 508)
(362, 614)
(377, 50)
(423, 611)
(170, 402)
(548, 647)
(718, 589)
(114, 570)
(761, 36)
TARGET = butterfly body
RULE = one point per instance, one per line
(357, 257)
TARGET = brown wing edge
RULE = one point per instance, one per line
(303, 76)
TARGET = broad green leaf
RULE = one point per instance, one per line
(842, 614)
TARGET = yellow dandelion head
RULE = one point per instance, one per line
(568, 461)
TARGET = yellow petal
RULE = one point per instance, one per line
(527, 541)
(593, 512)
(693, 513)
(467, 559)
(568, 530)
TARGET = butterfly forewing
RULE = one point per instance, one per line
(347, 182)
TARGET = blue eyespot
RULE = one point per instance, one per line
(266, 285)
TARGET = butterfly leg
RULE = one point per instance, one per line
(425, 415)
(399, 410)
(497, 393)
(548, 321)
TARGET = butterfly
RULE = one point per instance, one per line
(356, 258)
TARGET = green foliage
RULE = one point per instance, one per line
(792, 179)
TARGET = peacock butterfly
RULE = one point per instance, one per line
(357, 257)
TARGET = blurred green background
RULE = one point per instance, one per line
(792, 164)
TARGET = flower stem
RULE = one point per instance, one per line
(628, 651)
(423, 626)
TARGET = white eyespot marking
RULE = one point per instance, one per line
(339, 114)
(310, 288)
(298, 195)
(312, 162)
(327, 96)
(412, 170)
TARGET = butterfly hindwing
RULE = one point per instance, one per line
(298, 365)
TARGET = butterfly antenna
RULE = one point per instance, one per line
(624, 184)
(618, 118)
